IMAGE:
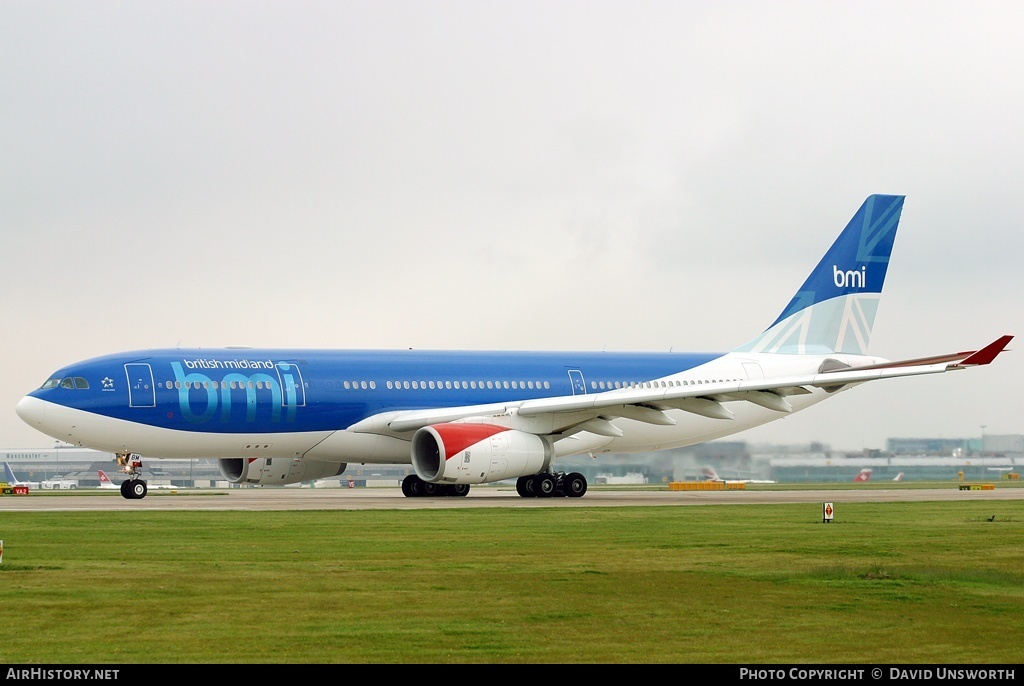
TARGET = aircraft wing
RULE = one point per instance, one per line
(649, 404)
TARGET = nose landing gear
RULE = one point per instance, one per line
(132, 488)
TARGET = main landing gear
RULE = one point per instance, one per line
(543, 485)
(415, 487)
(132, 488)
(552, 485)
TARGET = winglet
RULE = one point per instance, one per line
(986, 354)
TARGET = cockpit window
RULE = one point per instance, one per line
(66, 382)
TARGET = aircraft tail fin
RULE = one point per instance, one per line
(9, 474)
(834, 310)
(709, 474)
(105, 481)
(864, 475)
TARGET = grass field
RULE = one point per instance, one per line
(885, 583)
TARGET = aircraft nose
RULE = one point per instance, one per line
(31, 410)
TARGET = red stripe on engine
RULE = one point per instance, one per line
(458, 437)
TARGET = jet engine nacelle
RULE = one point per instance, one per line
(266, 471)
(473, 453)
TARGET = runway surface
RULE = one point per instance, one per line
(392, 498)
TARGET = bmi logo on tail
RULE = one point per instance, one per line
(849, 279)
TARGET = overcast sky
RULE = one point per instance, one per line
(512, 175)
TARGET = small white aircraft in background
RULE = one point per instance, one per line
(709, 474)
(168, 487)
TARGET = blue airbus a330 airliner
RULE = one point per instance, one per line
(281, 416)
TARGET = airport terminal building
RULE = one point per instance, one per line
(908, 459)
(987, 458)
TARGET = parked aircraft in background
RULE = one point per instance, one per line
(709, 474)
(166, 487)
(15, 481)
(864, 475)
(898, 477)
(105, 481)
(283, 416)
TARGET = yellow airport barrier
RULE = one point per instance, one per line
(977, 487)
(705, 486)
(696, 486)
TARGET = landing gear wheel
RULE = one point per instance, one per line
(544, 485)
(138, 489)
(125, 489)
(460, 490)
(524, 487)
(412, 486)
(574, 485)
